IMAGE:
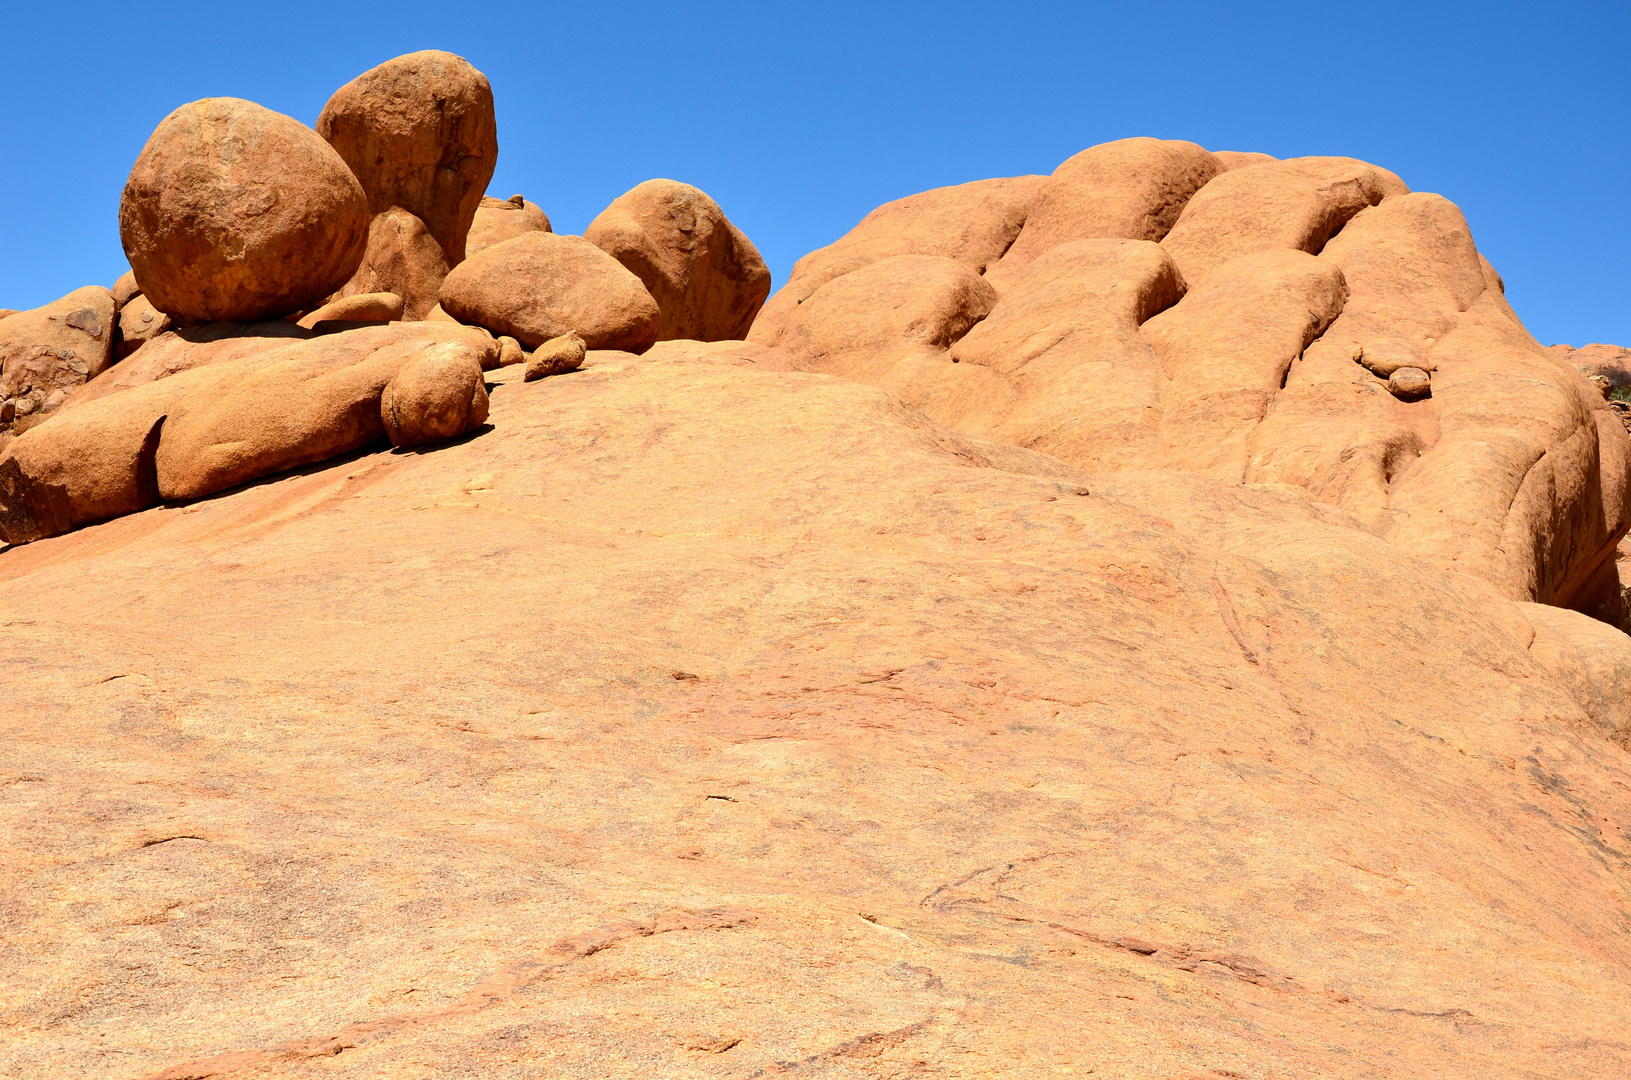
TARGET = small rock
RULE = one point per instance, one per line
(557, 355)
(139, 323)
(1384, 356)
(1410, 384)
(361, 307)
(498, 220)
(510, 352)
(8, 411)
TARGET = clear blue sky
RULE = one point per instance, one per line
(800, 119)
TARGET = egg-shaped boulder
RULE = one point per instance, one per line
(236, 212)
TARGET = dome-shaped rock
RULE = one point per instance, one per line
(233, 211)
(420, 134)
(542, 285)
(705, 274)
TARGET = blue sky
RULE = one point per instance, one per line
(799, 120)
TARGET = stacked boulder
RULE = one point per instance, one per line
(296, 294)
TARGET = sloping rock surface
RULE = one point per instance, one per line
(705, 719)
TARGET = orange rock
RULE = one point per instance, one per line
(498, 220)
(236, 212)
(402, 258)
(510, 352)
(1613, 362)
(705, 274)
(1239, 159)
(1296, 204)
(971, 223)
(420, 134)
(358, 307)
(556, 356)
(963, 750)
(541, 285)
(436, 395)
(1591, 660)
(48, 353)
(184, 348)
(1131, 189)
(125, 289)
(139, 323)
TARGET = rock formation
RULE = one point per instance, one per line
(237, 212)
(706, 276)
(1158, 619)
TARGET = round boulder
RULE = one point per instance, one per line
(420, 133)
(439, 394)
(236, 212)
(1410, 384)
(542, 285)
(708, 279)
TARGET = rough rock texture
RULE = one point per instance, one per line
(1230, 349)
(436, 395)
(556, 356)
(540, 285)
(236, 212)
(510, 352)
(498, 220)
(1610, 361)
(700, 720)
(185, 348)
(971, 223)
(1591, 660)
(358, 307)
(139, 323)
(46, 354)
(708, 279)
(402, 258)
(420, 134)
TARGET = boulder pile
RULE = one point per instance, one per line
(1163, 618)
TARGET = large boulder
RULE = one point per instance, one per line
(438, 394)
(48, 353)
(708, 279)
(498, 220)
(542, 285)
(236, 212)
(420, 134)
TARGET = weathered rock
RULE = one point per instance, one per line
(1611, 362)
(1239, 159)
(971, 223)
(510, 352)
(1384, 356)
(541, 285)
(236, 212)
(977, 776)
(420, 134)
(139, 323)
(182, 349)
(358, 307)
(437, 314)
(125, 289)
(1131, 189)
(1591, 660)
(498, 220)
(402, 258)
(555, 356)
(438, 394)
(1409, 384)
(1296, 204)
(55, 348)
(310, 402)
(4, 312)
(708, 279)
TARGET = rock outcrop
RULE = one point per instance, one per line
(48, 353)
(541, 285)
(438, 394)
(420, 134)
(359, 307)
(236, 212)
(402, 257)
(708, 279)
(1236, 347)
(498, 220)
